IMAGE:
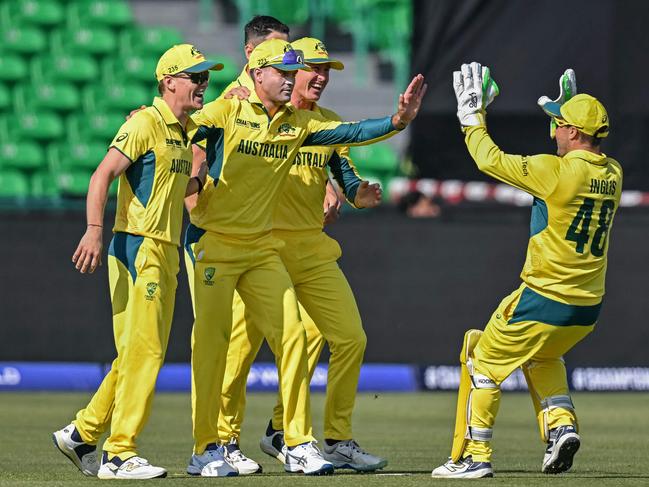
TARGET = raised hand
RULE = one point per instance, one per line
(474, 90)
(410, 102)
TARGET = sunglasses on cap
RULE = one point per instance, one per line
(289, 57)
(196, 78)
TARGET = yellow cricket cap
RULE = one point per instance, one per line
(315, 52)
(184, 57)
(278, 54)
(583, 112)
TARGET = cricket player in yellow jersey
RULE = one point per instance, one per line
(152, 156)
(251, 145)
(576, 194)
(323, 291)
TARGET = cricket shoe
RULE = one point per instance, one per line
(564, 443)
(235, 457)
(211, 463)
(134, 468)
(348, 454)
(272, 443)
(466, 468)
(306, 459)
(83, 455)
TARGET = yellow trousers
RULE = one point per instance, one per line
(510, 341)
(142, 274)
(217, 266)
(329, 313)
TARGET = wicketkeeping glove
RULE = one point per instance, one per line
(567, 89)
(474, 91)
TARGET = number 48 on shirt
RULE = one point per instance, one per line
(579, 230)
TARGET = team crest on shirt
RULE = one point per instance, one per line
(286, 130)
(209, 275)
(151, 288)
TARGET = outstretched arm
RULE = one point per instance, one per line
(324, 132)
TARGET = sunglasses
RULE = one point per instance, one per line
(196, 78)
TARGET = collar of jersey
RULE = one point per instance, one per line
(244, 79)
(599, 159)
(168, 116)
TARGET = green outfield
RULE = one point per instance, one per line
(411, 430)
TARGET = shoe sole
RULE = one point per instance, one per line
(72, 456)
(360, 468)
(479, 474)
(196, 472)
(249, 472)
(566, 453)
(326, 470)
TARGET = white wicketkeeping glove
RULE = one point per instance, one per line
(567, 89)
(474, 91)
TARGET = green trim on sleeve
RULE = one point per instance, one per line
(351, 133)
(345, 175)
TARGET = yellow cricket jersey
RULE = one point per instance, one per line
(575, 199)
(300, 204)
(152, 189)
(250, 155)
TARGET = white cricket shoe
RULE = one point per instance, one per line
(235, 457)
(307, 459)
(135, 468)
(464, 469)
(272, 443)
(83, 455)
(211, 463)
(348, 454)
(564, 443)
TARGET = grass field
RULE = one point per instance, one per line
(411, 430)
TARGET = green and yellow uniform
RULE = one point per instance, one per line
(231, 246)
(558, 303)
(327, 305)
(142, 268)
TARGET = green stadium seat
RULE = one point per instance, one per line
(65, 67)
(113, 13)
(101, 127)
(23, 155)
(5, 98)
(75, 154)
(73, 182)
(290, 11)
(43, 185)
(40, 126)
(46, 13)
(123, 96)
(24, 40)
(133, 66)
(50, 96)
(13, 184)
(12, 67)
(377, 158)
(151, 41)
(94, 41)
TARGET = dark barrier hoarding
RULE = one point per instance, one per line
(419, 285)
(528, 44)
